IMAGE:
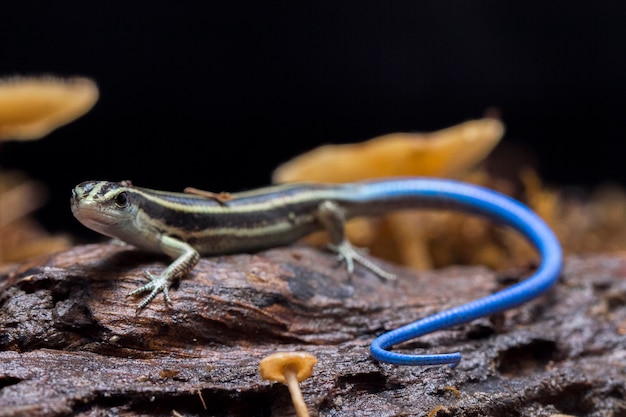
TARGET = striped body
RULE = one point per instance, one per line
(247, 221)
(183, 225)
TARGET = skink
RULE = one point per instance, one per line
(185, 225)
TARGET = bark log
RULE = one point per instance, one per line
(72, 343)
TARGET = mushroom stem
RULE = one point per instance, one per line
(296, 395)
(289, 368)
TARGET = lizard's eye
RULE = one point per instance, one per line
(121, 200)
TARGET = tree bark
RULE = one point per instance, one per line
(72, 343)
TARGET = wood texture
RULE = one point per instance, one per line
(72, 343)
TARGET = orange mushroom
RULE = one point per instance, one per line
(30, 108)
(289, 368)
(397, 237)
(446, 153)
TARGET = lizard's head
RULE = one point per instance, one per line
(103, 206)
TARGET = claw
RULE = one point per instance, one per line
(156, 285)
(349, 254)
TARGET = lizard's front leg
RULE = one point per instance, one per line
(186, 257)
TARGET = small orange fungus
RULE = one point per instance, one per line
(289, 368)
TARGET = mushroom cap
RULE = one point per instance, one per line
(30, 107)
(274, 366)
(447, 152)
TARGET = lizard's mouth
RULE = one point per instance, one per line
(93, 217)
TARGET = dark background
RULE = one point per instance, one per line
(216, 94)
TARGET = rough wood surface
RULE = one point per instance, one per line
(71, 343)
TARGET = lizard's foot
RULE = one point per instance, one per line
(156, 285)
(349, 254)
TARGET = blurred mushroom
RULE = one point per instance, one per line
(289, 368)
(402, 237)
(449, 152)
(30, 108)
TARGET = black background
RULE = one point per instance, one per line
(216, 94)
